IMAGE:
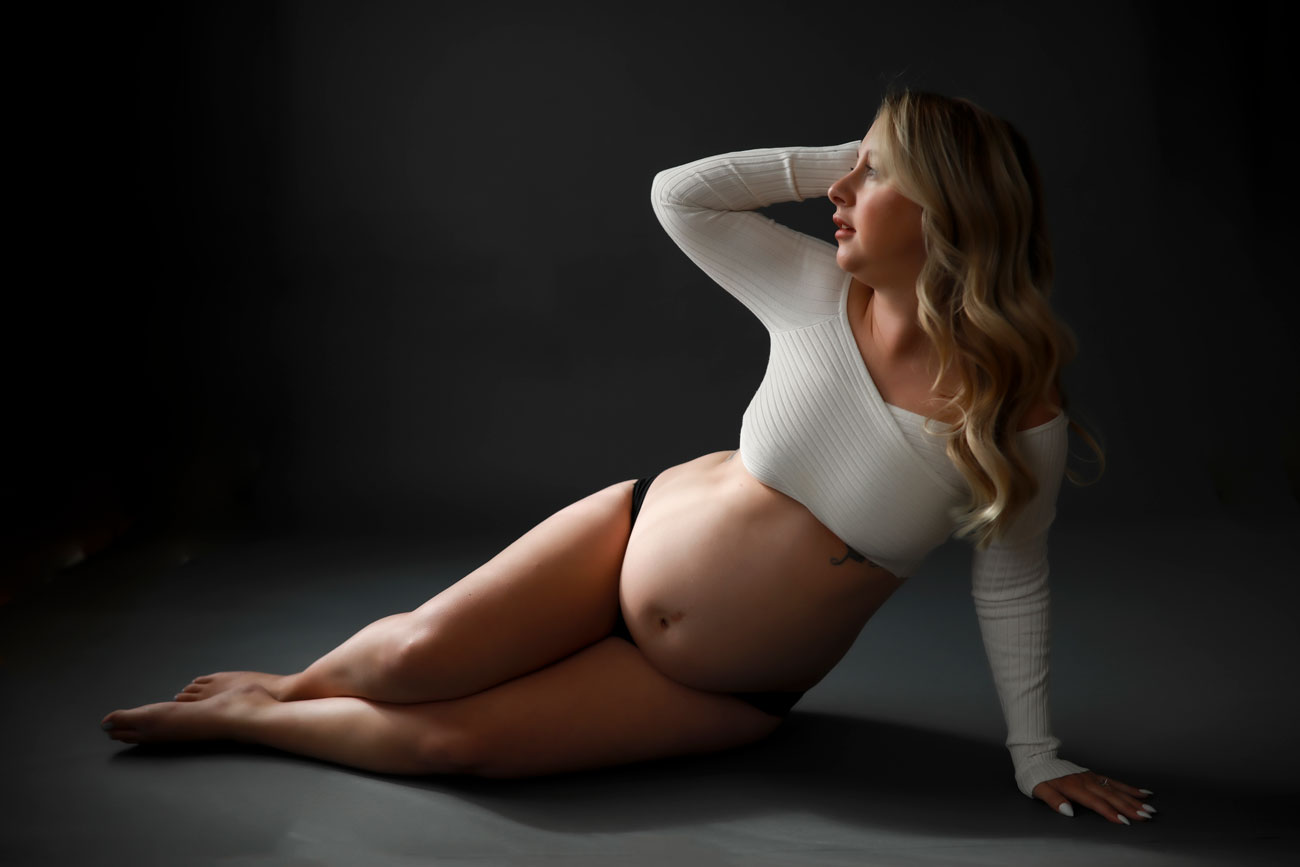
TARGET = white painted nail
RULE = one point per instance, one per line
(1123, 819)
(1146, 791)
(1149, 808)
(1066, 809)
(1144, 814)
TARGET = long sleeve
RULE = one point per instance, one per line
(786, 278)
(1012, 600)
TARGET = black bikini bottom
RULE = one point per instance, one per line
(776, 703)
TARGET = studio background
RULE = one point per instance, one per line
(393, 268)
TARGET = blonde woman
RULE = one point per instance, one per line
(912, 392)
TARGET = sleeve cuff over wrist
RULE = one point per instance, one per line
(1043, 767)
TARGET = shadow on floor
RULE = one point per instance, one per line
(854, 772)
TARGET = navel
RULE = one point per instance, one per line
(665, 622)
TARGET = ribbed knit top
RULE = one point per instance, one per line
(818, 430)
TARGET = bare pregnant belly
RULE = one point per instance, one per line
(729, 585)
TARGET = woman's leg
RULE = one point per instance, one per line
(604, 705)
(550, 593)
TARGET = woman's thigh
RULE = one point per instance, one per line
(605, 705)
(549, 593)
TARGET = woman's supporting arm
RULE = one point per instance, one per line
(1013, 601)
(707, 207)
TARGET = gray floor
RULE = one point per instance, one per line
(1173, 650)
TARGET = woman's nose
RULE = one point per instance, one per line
(835, 193)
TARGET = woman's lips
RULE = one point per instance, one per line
(844, 233)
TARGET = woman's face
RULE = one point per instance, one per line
(880, 239)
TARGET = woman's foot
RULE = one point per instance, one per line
(219, 718)
(208, 685)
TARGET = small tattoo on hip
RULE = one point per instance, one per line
(850, 553)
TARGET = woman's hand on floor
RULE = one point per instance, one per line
(1116, 801)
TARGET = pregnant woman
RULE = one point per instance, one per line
(912, 392)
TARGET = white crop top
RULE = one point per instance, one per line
(818, 430)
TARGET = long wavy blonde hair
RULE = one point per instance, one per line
(983, 292)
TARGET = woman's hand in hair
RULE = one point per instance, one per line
(1117, 802)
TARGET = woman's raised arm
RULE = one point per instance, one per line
(707, 207)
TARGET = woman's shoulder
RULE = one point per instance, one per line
(1043, 412)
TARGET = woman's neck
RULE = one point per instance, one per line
(890, 316)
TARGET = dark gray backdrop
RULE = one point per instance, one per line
(311, 266)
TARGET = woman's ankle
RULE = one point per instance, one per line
(291, 687)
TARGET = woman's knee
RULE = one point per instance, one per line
(412, 648)
(472, 753)
(429, 659)
(451, 751)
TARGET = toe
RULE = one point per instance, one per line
(117, 729)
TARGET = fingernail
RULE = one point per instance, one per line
(1149, 808)
(1123, 819)
(1066, 809)
(106, 725)
(1144, 814)
(1146, 791)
